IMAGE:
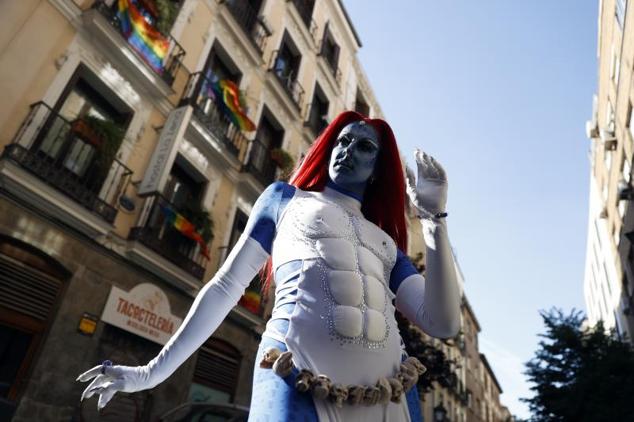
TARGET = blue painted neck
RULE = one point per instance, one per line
(346, 192)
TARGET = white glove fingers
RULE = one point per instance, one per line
(89, 374)
(94, 387)
(108, 393)
(422, 165)
(441, 171)
(411, 180)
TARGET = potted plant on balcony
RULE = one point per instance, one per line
(201, 219)
(105, 135)
(283, 160)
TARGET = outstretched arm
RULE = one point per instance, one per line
(433, 302)
(212, 304)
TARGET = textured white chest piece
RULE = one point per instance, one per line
(355, 258)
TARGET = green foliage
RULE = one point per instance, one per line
(111, 135)
(283, 159)
(167, 12)
(439, 368)
(580, 374)
(201, 219)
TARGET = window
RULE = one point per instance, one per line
(615, 65)
(361, 105)
(268, 137)
(305, 10)
(220, 66)
(318, 114)
(330, 49)
(621, 8)
(629, 120)
(287, 61)
(85, 131)
(216, 374)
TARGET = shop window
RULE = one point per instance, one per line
(318, 114)
(216, 373)
(330, 49)
(31, 283)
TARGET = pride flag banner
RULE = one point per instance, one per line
(186, 228)
(142, 36)
(227, 96)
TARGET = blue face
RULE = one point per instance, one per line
(353, 157)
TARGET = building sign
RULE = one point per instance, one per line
(144, 310)
(165, 151)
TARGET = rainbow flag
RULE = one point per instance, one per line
(142, 36)
(227, 96)
(186, 228)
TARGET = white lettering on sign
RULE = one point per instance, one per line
(144, 310)
(165, 151)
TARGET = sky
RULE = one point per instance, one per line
(498, 91)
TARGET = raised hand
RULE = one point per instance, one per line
(429, 193)
(109, 379)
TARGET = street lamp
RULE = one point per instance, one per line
(440, 413)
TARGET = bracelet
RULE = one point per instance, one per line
(441, 215)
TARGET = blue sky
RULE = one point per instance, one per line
(499, 92)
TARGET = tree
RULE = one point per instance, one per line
(580, 374)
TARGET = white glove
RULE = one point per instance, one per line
(429, 193)
(212, 304)
(433, 303)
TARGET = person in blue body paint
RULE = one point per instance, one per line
(336, 274)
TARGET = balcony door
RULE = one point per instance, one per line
(83, 132)
(269, 136)
(183, 192)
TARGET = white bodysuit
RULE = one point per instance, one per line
(343, 323)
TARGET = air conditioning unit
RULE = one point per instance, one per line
(608, 138)
(592, 129)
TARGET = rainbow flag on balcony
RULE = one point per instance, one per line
(227, 96)
(142, 36)
(186, 228)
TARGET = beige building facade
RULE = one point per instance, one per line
(107, 137)
(609, 273)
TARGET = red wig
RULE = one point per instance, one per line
(383, 199)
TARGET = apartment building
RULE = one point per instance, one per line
(124, 182)
(609, 278)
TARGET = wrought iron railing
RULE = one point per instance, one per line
(260, 164)
(172, 61)
(247, 17)
(157, 233)
(50, 147)
(288, 79)
(199, 95)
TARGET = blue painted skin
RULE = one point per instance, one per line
(351, 165)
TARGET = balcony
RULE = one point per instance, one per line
(156, 233)
(166, 67)
(199, 95)
(260, 164)
(57, 152)
(248, 19)
(287, 79)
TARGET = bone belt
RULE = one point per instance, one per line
(321, 387)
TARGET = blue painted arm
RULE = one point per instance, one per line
(403, 268)
(266, 212)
